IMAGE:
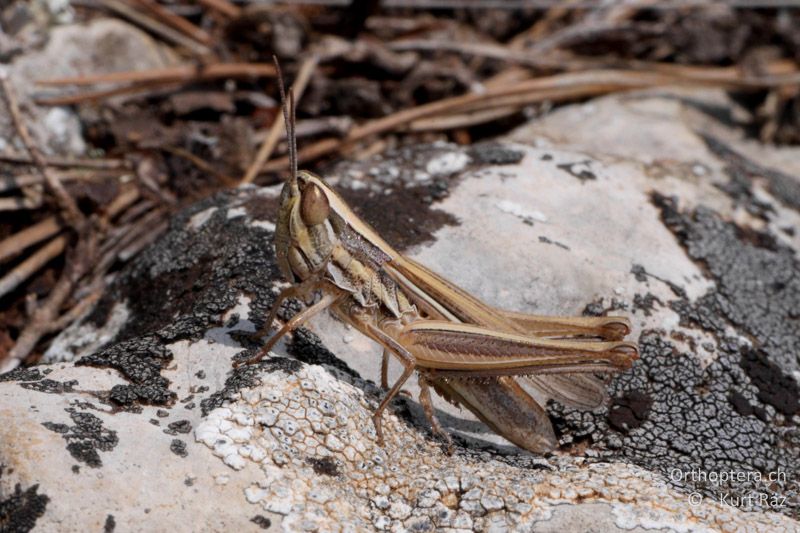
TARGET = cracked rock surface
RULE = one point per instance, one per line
(649, 208)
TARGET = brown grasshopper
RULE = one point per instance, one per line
(486, 359)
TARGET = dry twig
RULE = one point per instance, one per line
(556, 88)
(223, 7)
(44, 319)
(180, 73)
(31, 265)
(63, 162)
(69, 208)
(17, 203)
(166, 32)
(28, 237)
(179, 23)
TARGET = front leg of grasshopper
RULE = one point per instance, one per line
(328, 298)
(294, 291)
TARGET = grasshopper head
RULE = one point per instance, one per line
(304, 236)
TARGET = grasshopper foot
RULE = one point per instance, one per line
(376, 421)
(251, 360)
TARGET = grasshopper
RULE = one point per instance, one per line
(491, 361)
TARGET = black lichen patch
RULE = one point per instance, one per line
(740, 412)
(599, 308)
(261, 521)
(50, 386)
(545, 240)
(325, 466)
(20, 510)
(181, 286)
(670, 415)
(742, 171)
(404, 216)
(110, 524)
(140, 360)
(744, 407)
(645, 303)
(641, 275)
(757, 288)
(178, 447)
(578, 169)
(308, 348)
(629, 411)
(86, 438)
(179, 426)
(774, 387)
(494, 154)
(22, 374)
(247, 376)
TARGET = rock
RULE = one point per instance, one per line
(685, 232)
(98, 47)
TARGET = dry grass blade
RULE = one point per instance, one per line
(31, 265)
(147, 81)
(171, 74)
(40, 231)
(164, 31)
(11, 183)
(67, 204)
(298, 87)
(142, 89)
(556, 88)
(199, 163)
(488, 50)
(62, 162)
(179, 23)
(223, 7)
(44, 318)
(19, 203)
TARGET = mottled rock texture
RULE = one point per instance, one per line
(642, 204)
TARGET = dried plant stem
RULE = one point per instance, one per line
(44, 318)
(67, 204)
(145, 88)
(150, 81)
(179, 73)
(298, 87)
(26, 180)
(492, 51)
(19, 203)
(31, 265)
(556, 88)
(461, 120)
(199, 163)
(179, 23)
(160, 29)
(28, 237)
(108, 164)
(223, 7)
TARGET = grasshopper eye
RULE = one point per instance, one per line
(314, 206)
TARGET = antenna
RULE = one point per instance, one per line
(289, 120)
